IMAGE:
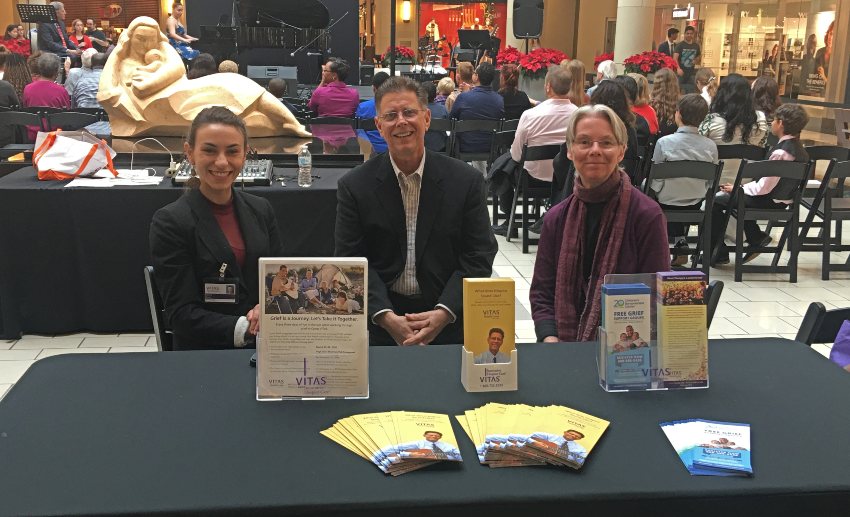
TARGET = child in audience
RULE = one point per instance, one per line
(768, 192)
(685, 144)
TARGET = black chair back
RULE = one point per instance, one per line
(70, 120)
(502, 141)
(828, 152)
(163, 337)
(443, 125)
(367, 124)
(712, 299)
(741, 152)
(340, 121)
(509, 125)
(466, 126)
(820, 325)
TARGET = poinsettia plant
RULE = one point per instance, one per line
(649, 62)
(509, 54)
(402, 55)
(536, 63)
(602, 57)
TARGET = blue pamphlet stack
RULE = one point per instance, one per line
(710, 448)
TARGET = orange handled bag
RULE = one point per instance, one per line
(64, 155)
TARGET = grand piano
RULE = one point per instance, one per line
(269, 32)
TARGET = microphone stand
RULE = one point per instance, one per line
(267, 16)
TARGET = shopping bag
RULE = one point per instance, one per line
(62, 155)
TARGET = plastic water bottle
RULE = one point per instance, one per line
(305, 167)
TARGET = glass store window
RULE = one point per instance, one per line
(791, 41)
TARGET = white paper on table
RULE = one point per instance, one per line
(126, 177)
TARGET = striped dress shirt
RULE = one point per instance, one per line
(410, 186)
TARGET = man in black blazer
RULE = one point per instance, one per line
(53, 38)
(420, 218)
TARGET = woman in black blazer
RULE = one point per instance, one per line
(205, 245)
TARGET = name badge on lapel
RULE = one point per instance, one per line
(221, 289)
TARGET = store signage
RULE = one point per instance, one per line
(686, 13)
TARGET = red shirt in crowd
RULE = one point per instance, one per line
(648, 112)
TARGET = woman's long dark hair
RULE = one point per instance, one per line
(510, 79)
(766, 95)
(613, 95)
(734, 102)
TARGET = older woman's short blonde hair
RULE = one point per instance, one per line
(600, 111)
(445, 86)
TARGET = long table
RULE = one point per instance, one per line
(71, 259)
(181, 433)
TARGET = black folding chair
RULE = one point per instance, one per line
(70, 120)
(509, 125)
(797, 171)
(700, 217)
(712, 298)
(741, 152)
(367, 124)
(836, 208)
(338, 121)
(19, 121)
(164, 338)
(502, 141)
(467, 126)
(443, 125)
(820, 325)
(531, 188)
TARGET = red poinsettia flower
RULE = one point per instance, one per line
(401, 52)
(602, 57)
(536, 63)
(509, 55)
(648, 63)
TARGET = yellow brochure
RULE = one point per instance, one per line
(425, 436)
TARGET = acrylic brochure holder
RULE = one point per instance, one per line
(488, 376)
(674, 354)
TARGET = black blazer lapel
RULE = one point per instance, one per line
(430, 200)
(210, 233)
(389, 196)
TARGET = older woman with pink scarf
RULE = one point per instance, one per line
(606, 226)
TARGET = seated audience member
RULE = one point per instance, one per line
(605, 71)
(213, 211)
(202, 66)
(479, 103)
(13, 42)
(79, 36)
(277, 87)
(52, 37)
(515, 100)
(606, 226)
(8, 98)
(17, 73)
(706, 83)
(685, 144)
(332, 98)
(98, 39)
(433, 229)
(45, 91)
(732, 117)
(641, 104)
(577, 94)
(464, 74)
(366, 109)
(32, 63)
(665, 96)
(444, 88)
(766, 96)
(543, 124)
(73, 74)
(343, 304)
(84, 92)
(228, 67)
(613, 95)
(640, 124)
(768, 192)
(435, 140)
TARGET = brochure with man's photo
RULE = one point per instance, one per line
(313, 341)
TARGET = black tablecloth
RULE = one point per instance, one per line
(72, 258)
(181, 432)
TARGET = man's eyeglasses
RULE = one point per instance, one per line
(407, 113)
(586, 143)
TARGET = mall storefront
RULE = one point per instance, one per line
(799, 43)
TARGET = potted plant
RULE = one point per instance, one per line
(509, 55)
(647, 63)
(403, 56)
(532, 70)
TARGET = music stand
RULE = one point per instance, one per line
(36, 13)
(478, 40)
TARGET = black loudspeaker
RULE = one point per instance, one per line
(367, 72)
(528, 18)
